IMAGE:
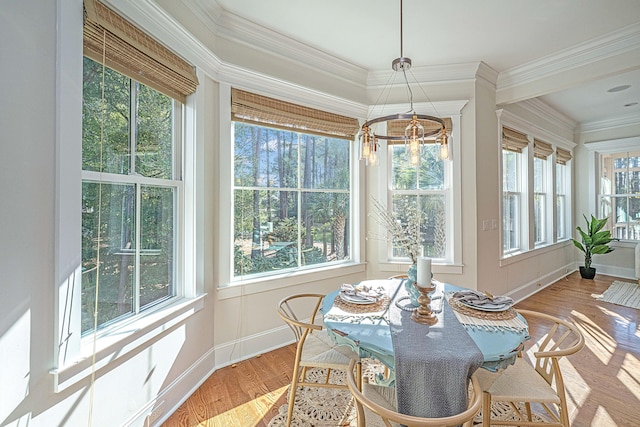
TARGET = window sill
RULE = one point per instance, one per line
(257, 285)
(125, 341)
(522, 255)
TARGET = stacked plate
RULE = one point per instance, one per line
(483, 301)
(359, 294)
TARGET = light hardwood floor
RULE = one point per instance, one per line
(603, 379)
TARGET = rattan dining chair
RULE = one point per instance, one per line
(376, 404)
(541, 383)
(314, 347)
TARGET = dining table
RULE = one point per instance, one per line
(429, 364)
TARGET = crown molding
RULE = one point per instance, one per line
(532, 129)
(622, 41)
(548, 113)
(608, 124)
(249, 80)
(236, 29)
(159, 24)
(428, 74)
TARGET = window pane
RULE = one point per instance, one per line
(431, 168)
(539, 218)
(110, 126)
(561, 217)
(265, 157)
(325, 227)
(156, 244)
(539, 175)
(511, 215)
(324, 162)
(406, 211)
(510, 171)
(114, 277)
(154, 141)
(403, 175)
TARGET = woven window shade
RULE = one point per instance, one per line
(513, 140)
(541, 150)
(397, 128)
(134, 54)
(562, 156)
(257, 109)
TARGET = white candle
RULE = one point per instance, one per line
(424, 272)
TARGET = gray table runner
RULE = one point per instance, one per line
(432, 363)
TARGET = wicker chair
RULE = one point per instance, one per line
(315, 349)
(541, 384)
(376, 405)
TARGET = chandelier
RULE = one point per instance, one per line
(414, 133)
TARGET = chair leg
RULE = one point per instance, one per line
(486, 409)
(295, 378)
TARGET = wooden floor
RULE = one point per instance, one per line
(603, 379)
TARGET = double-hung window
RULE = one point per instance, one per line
(514, 144)
(541, 171)
(426, 189)
(536, 192)
(132, 170)
(291, 188)
(619, 193)
(562, 193)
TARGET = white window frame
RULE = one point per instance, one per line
(533, 131)
(73, 358)
(452, 263)
(544, 194)
(523, 212)
(563, 192)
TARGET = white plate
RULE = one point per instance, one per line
(355, 299)
(505, 307)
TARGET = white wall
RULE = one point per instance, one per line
(235, 322)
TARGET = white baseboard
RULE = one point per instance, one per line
(626, 273)
(541, 282)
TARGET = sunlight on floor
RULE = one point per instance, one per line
(601, 344)
(630, 366)
(602, 418)
(249, 412)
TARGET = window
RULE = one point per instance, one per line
(428, 188)
(619, 190)
(536, 192)
(130, 191)
(541, 153)
(292, 199)
(562, 193)
(513, 193)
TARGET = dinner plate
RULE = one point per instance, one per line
(356, 299)
(503, 307)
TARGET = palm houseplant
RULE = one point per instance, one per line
(594, 240)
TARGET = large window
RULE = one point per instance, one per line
(514, 178)
(541, 218)
(533, 172)
(619, 190)
(292, 199)
(425, 188)
(130, 191)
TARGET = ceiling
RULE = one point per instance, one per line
(598, 41)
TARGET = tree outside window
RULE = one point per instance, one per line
(291, 199)
(619, 190)
(130, 187)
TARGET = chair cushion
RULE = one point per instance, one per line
(318, 351)
(517, 383)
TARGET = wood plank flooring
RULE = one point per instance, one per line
(603, 380)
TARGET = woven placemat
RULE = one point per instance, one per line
(349, 307)
(507, 314)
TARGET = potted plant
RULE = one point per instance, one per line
(595, 240)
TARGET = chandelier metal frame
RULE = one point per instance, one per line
(415, 133)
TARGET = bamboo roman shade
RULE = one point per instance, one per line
(133, 53)
(513, 140)
(397, 128)
(541, 150)
(562, 156)
(258, 109)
